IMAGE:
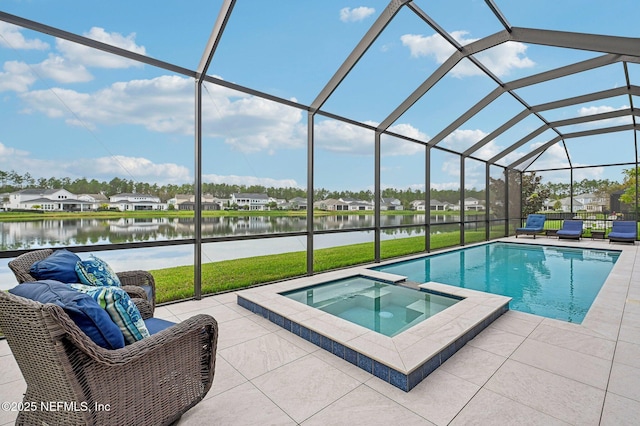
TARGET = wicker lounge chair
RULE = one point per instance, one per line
(150, 382)
(624, 231)
(534, 225)
(571, 229)
(139, 284)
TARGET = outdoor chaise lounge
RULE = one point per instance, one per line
(534, 225)
(139, 284)
(623, 231)
(72, 379)
(571, 229)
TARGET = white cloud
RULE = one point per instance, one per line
(248, 123)
(250, 180)
(251, 124)
(68, 65)
(84, 55)
(501, 59)
(6, 152)
(455, 185)
(461, 139)
(17, 77)
(102, 168)
(163, 104)
(348, 14)
(505, 57)
(434, 45)
(409, 131)
(587, 111)
(556, 157)
(340, 137)
(62, 70)
(137, 168)
(11, 37)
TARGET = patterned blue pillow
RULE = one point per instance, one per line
(120, 308)
(95, 271)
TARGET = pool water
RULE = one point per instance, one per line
(385, 308)
(554, 282)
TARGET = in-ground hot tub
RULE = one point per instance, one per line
(377, 305)
(403, 359)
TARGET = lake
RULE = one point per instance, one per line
(86, 232)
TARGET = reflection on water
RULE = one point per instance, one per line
(86, 232)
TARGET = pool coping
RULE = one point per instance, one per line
(403, 360)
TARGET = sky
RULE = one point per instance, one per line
(69, 111)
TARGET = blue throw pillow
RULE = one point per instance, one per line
(81, 308)
(59, 266)
(118, 304)
(95, 271)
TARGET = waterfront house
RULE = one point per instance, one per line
(187, 202)
(390, 204)
(434, 205)
(298, 203)
(589, 202)
(331, 204)
(46, 200)
(250, 201)
(96, 200)
(136, 202)
(470, 204)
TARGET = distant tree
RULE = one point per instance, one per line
(16, 178)
(533, 193)
(498, 192)
(53, 183)
(320, 194)
(3, 178)
(630, 195)
(29, 180)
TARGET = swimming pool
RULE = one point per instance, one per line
(376, 305)
(550, 281)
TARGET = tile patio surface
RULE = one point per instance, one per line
(521, 369)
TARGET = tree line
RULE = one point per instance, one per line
(534, 190)
(12, 181)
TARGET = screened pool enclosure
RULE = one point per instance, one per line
(375, 130)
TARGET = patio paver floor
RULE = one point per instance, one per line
(522, 369)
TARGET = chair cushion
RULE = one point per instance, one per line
(120, 308)
(535, 221)
(59, 266)
(95, 271)
(81, 308)
(624, 227)
(155, 325)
